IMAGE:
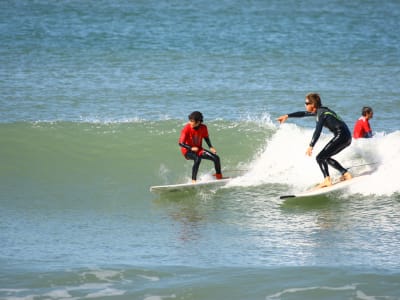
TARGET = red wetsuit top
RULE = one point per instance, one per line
(362, 129)
(193, 137)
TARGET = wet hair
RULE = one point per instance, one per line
(366, 110)
(315, 99)
(196, 116)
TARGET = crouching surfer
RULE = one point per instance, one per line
(190, 142)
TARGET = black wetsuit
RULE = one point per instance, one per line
(197, 160)
(342, 137)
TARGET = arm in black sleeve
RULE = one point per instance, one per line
(207, 139)
(185, 146)
(318, 130)
(300, 114)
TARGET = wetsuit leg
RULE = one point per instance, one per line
(334, 146)
(215, 158)
(197, 160)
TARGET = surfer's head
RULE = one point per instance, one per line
(367, 112)
(313, 99)
(195, 119)
(196, 116)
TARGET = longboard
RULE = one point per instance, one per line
(339, 185)
(188, 186)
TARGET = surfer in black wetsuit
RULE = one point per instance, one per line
(342, 136)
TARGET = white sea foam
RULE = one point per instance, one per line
(306, 289)
(283, 160)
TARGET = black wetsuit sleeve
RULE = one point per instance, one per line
(300, 114)
(207, 139)
(318, 130)
(185, 146)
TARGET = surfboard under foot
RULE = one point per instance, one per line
(188, 186)
(339, 185)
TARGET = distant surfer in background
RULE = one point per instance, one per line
(190, 141)
(362, 129)
(342, 136)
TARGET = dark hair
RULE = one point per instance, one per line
(196, 116)
(366, 110)
(315, 99)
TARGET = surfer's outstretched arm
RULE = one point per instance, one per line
(297, 114)
(282, 118)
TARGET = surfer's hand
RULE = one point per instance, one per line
(282, 119)
(195, 149)
(212, 149)
(309, 151)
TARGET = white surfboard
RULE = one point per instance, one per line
(188, 186)
(339, 185)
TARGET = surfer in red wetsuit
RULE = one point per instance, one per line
(342, 136)
(190, 141)
(362, 129)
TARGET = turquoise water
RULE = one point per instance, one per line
(93, 98)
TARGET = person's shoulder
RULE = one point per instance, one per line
(362, 119)
(323, 109)
(203, 128)
(186, 127)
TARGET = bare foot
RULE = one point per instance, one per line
(327, 182)
(346, 176)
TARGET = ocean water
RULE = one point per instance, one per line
(93, 97)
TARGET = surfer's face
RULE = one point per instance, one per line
(194, 124)
(309, 105)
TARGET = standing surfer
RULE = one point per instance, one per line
(329, 119)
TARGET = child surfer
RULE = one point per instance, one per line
(190, 142)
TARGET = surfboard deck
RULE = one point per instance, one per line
(188, 186)
(337, 186)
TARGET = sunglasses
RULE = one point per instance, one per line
(307, 103)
